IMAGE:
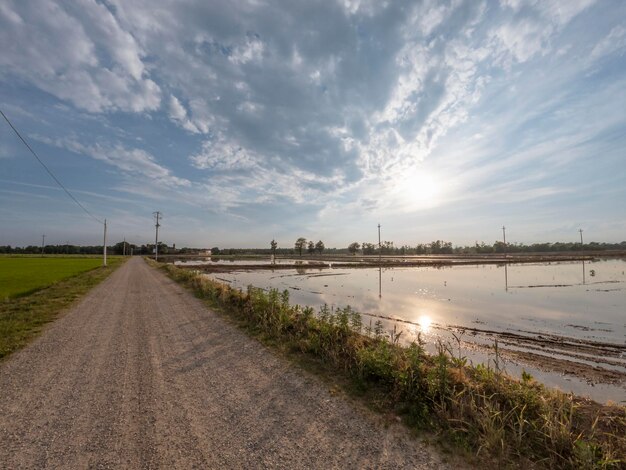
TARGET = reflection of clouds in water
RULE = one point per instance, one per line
(369, 305)
(462, 295)
(419, 301)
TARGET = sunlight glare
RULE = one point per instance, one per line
(424, 322)
(419, 190)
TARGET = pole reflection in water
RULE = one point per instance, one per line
(583, 261)
(506, 277)
(380, 282)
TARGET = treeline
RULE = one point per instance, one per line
(437, 247)
(117, 249)
(440, 247)
(499, 247)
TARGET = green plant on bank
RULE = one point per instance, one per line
(477, 408)
(23, 317)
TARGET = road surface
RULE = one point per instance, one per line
(139, 374)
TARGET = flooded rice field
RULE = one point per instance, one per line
(564, 322)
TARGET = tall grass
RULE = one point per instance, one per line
(477, 408)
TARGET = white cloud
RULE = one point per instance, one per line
(78, 54)
(178, 113)
(241, 176)
(559, 12)
(527, 35)
(251, 50)
(133, 162)
(223, 154)
(613, 42)
(524, 39)
(432, 14)
(562, 12)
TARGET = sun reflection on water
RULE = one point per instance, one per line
(424, 322)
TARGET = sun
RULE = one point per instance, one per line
(419, 189)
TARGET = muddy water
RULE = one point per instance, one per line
(565, 322)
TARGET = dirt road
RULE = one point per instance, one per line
(140, 374)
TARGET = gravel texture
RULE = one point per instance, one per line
(139, 374)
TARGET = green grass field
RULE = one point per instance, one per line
(34, 291)
(23, 275)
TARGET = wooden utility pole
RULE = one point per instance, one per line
(157, 216)
(104, 249)
(379, 246)
(43, 241)
(582, 245)
(504, 238)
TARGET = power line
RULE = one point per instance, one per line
(48, 170)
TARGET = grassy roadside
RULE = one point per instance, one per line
(477, 410)
(23, 317)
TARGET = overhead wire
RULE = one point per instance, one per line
(48, 169)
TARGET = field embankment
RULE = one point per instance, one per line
(476, 408)
(221, 263)
(33, 291)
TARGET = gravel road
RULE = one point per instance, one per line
(139, 374)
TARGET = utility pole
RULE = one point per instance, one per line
(504, 237)
(157, 216)
(124, 249)
(43, 241)
(582, 246)
(379, 246)
(104, 249)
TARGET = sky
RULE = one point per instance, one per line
(247, 121)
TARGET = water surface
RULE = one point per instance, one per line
(570, 310)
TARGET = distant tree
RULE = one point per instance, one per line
(300, 244)
(273, 246)
(499, 247)
(421, 249)
(368, 248)
(118, 248)
(311, 247)
(483, 248)
(163, 248)
(354, 247)
(215, 250)
(387, 247)
(319, 247)
(441, 247)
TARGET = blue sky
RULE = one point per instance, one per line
(247, 121)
